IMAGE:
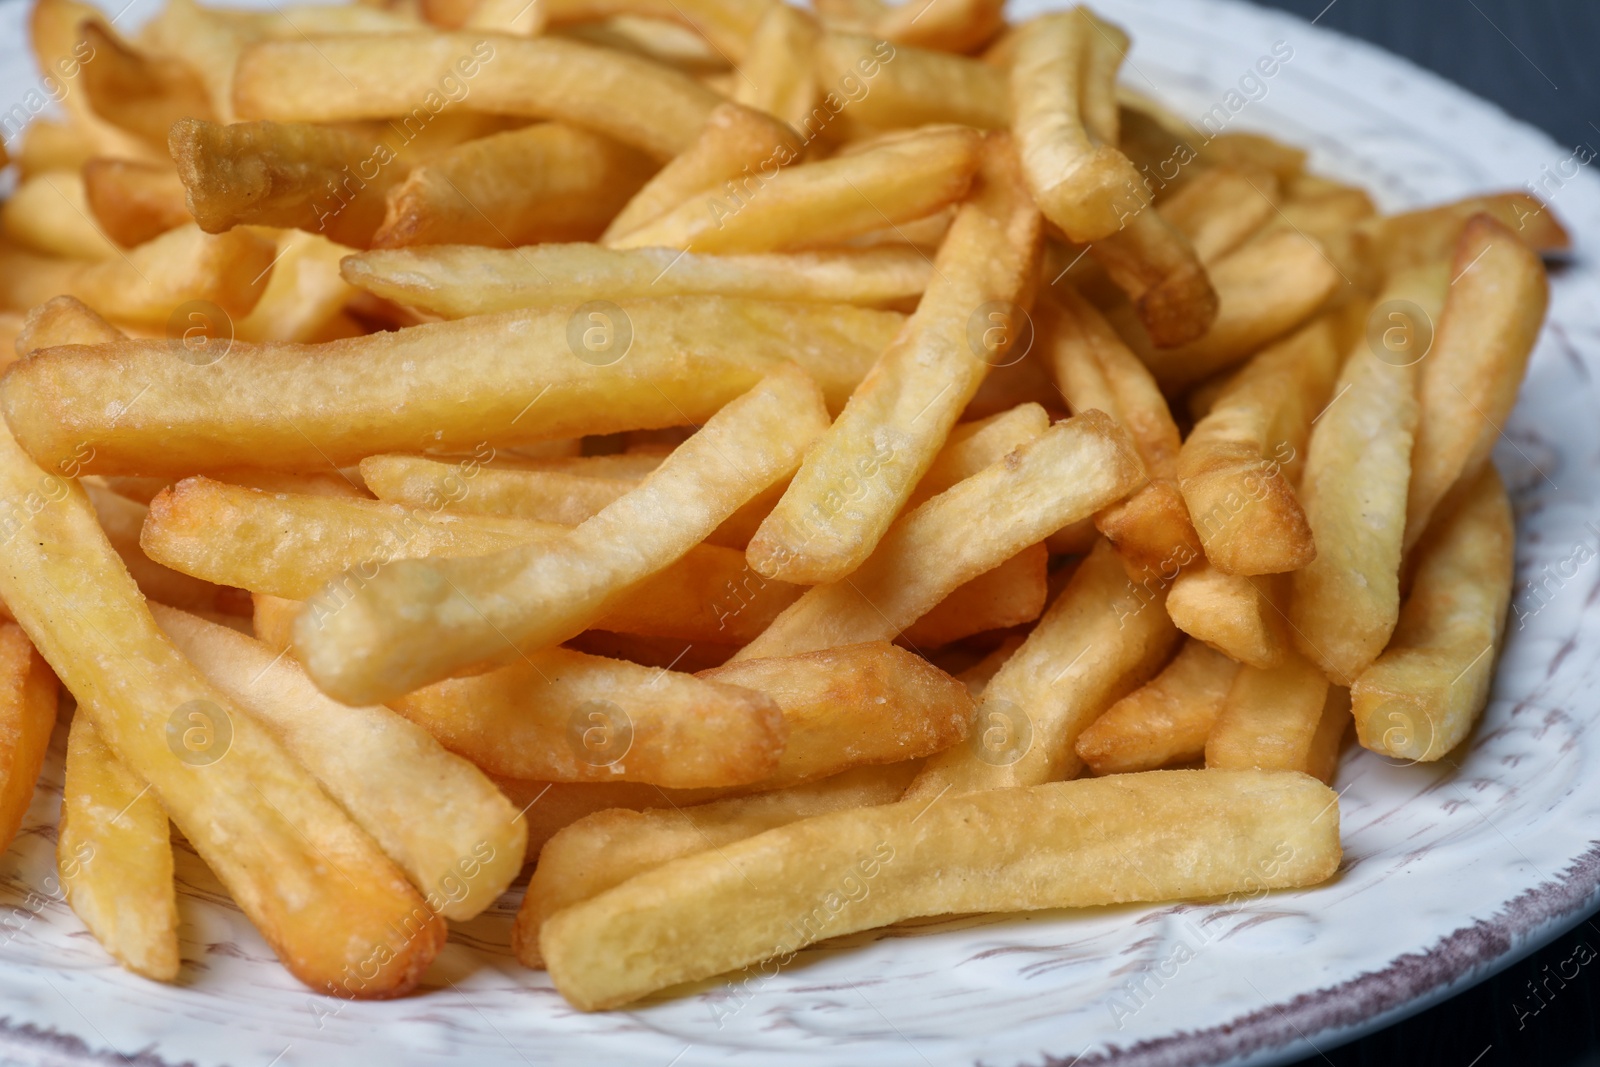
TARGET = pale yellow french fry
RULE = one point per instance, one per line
(1357, 472)
(972, 446)
(1238, 467)
(1265, 288)
(1008, 595)
(593, 853)
(1096, 643)
(546, 182)
(55, 27)
(114, 857)
(1327, 744)
(640, 103)
(896, 422)
(1469, 378)
(547, 495)
(890, 86)
(146, 285)
(728, 24)
(662, 40)
(1269, 718)
(48, 145)
(452, 386)
(258, 819)
(64, 320)
(457, 281)
(775, 73)
(134, 202)
(566, 716)
(1236, 615)
(961, 26)
(304, 293)
(1422, 696)
(1067, 473)
(142, 94)
(734, 141)
(821, 203)
(460, 841)
(50, 213)
(1166, 720)
(522, 599)
(1162, 835)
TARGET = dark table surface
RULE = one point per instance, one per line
(1540, 61)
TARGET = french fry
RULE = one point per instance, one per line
(114, 857)
(304, 293)
(1468, 380)
(1322, 762)
(1270, 718)
(64, 320)
(259, 820)
(654, 38)
(47, 145)
(895, 423)
(503, 379)
(49, 213)
(1083, 185)
(1094, 369)
(142, 94)
(55, 28)
(640, 103)
(546, 495)
(1220, 208)
(1422, 696)
(561, 715)
(728, 24)
(963, 26)
(1236, 615)
(528, 598)
(1008, 595)
(979, 675)
(1237, 467)
(1265, 288)
(734, 140)
(895, 86)
(314, 178)
(1166, 720)
(810, 204)
(606, 848)
(861, 704)
(27, 715)
(459, 841)
(1096, 643)
(775, 74)
(147, 284)
(1358, 467)
(457, 281)
(1156, 266)
(1072, 470)
(1162, 835)
(546, 182)
(1416, 238)
(122, 519)
(707, 595)
(972, 446)
(134, 202)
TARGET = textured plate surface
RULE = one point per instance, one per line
(1451, 870)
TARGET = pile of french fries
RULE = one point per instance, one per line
(784, 471)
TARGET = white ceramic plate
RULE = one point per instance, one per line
(1451, 871)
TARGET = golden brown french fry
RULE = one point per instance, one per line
(147, 284)
(114, 857)
(728, 24)
(890, 86)
(1422, 696)
(734, 140)
(1322, 762)
(523, 599)
(49, 213)
(1156, 266)
(1237, 468)
(134, 202)
(591, 854)
(457, 281)
(1098, 642)
(451, 386)
(1265, 288)
(561, 715)
(60, 51)
(972, 446)
(896, 422)
(1358, 467)
(1416, 238)
(1070, 471)
(775, 72)
(1269, 718)
(640, 103)
(963, 26)
(47, 145)
(316, 178)
(27, 715)
(1166, 720)
(64, 320)
(1093, 368)
(259, 820)
(567, 496)
(1220, 208)
(1008, 595)
(546, 182)
(304, 293)
(459, 841)
(1469, 378)
(812, 204)
(292, 545)
(1236, 615)
(1083, 184)
(142, 94)
(1161, 835)
(861, 704)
